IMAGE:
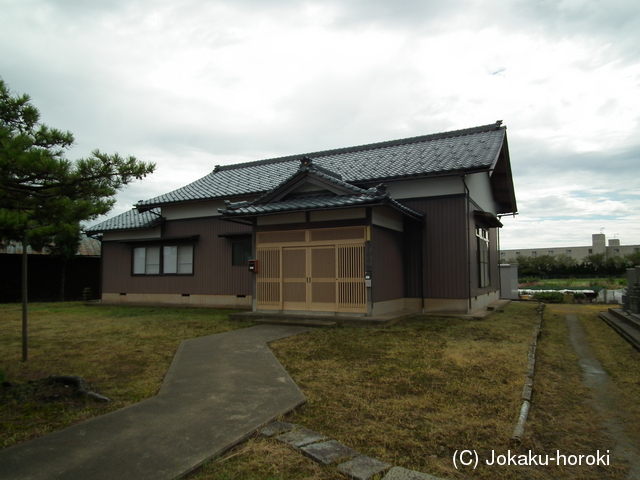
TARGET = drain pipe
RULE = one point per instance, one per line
(422, 227)
(466, 191)
(499, 263)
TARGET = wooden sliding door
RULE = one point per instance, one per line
(325, 273)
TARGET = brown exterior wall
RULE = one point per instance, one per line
(444, 247)
(445, 243)
(213, 272)
(387, 274)
(413, 257)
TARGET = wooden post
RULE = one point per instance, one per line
(25, 311)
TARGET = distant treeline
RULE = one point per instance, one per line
(596, 264)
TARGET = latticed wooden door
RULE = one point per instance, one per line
(351, 289)
(322, 279)
(294, 278)
(268, 279)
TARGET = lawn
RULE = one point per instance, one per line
(123, 352)
(411, 394)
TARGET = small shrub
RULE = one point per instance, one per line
(549, 297)
(87, 295)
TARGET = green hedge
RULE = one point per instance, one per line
(550, 297)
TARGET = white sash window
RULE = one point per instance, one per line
(168, 259)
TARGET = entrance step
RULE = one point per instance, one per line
(295, 322)
(323, 320)
(497, 306)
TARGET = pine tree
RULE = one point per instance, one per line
(42, 193)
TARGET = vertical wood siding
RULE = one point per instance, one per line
(444, 246)
(412, 258)
(387, 274)
(213, 272)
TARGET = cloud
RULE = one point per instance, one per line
(193, 84)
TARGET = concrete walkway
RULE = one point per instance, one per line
(219, 390)
(604, 397)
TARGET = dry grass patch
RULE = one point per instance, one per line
(123, 352)
(414, 393)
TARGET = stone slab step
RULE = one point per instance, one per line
(330, 453)
(628, 318)
(624, 329)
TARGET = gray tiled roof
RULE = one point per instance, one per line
(128, 221)
(461, 150)
(472, 149)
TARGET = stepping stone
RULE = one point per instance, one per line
(329, 452)
(300, 437)
(399, 473)
(363, 467)
(276, 428)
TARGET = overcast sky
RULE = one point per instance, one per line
(193, 84)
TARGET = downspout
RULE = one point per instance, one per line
(254, 278)
(499, 263)
(101, 282)
(466, 192)
(422, 227)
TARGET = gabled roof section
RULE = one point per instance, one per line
(317, 202)
(334, 194)
(502, 183)
(309, 172)
(460, 151)
(131, 220)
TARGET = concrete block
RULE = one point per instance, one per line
(527, 391)
(329, 452)
(399, 473)
(363, 467)
(276, 428)
(300, 437)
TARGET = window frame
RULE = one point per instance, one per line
(483, 245)
(241, 242)
(162, 259)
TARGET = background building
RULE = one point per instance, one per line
(578, 253)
